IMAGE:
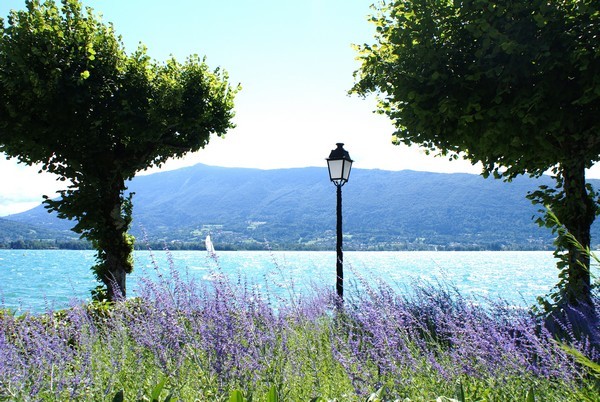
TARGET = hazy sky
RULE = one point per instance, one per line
(294, 60)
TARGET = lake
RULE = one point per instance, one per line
(38, 280)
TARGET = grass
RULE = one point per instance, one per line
(228, 341)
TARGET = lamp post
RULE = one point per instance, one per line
(339, 164)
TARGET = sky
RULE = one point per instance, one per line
(295, 62)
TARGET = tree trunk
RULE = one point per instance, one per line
(577, 215)
(115, 245)
(115, 278)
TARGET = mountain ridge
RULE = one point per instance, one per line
(294, 208)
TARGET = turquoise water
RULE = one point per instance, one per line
(38, 280)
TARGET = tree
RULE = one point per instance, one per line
(73, 100)
(514, 85)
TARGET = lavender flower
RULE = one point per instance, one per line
(208, 338)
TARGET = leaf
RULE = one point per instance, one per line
(539, 20)
(236, 396)
(119, 396)
(272, 395)
(155, 394)
(594, 368)
(377, 396)
(460, 392)
(530, 395)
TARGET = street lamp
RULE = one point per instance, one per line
(339, 164)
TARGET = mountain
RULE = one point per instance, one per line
(24, 235)
(295, 208)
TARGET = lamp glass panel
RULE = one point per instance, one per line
(346, 172)
(335, 168)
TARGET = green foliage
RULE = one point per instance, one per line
(157, 391)
(511, 85)
(123, 352)
(593, 367)
(591, 390)
(567, 289)
(236, 396)
(381, 395)
(119, 396)
(154, 394)
(569, 214)
(272, 395)
(74, 101)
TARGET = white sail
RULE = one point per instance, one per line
(209, 245)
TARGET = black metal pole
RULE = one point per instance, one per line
(339, 284)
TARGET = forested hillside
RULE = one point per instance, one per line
(24, 235)
(295, 208)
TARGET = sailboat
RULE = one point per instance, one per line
(210, 248)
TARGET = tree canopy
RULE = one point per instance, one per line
(514, 85)
(72, 99)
